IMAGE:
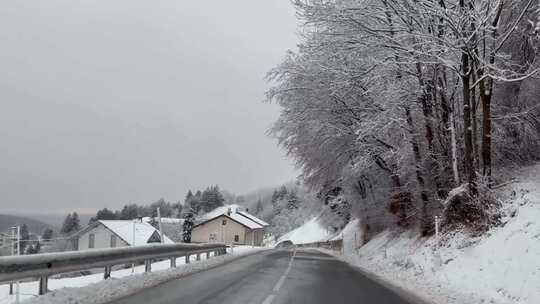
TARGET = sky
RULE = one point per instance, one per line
(109, 102)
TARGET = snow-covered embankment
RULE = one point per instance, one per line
(502, 266)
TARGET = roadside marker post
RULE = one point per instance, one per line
(437, 223)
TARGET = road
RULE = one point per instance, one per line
(275, 277)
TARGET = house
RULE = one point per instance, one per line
(5, 244)
(111, 234)
(228, 224)
(172, 227)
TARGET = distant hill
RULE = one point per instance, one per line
(34, 226)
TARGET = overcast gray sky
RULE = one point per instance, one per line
(107, 102)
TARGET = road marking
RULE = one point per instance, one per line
(269, 299)
(277, 287)
(279, 283)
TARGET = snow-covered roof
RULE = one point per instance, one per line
(253, 218)
(164, 220)
(124, 229)
(235, 214)
(218, 211)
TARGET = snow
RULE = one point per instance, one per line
(218, 211)
(500, 267)
(92, 289)
(309, 232)
(165, 220)
(253, 218)
(124, 229)
(234, 215)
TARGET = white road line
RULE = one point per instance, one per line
(279, 283)
(269, 299)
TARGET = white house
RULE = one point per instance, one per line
(228, 224)
(111, 234)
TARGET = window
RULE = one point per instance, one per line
(91, 240)
(236, 238)
(113, 241)
(224, 222)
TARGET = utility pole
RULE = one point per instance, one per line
(133, 244)
(12, 245)
(160, 226)
(18, 291)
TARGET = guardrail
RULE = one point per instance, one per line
(336, 245)
(41, 266)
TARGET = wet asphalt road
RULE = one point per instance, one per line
(274, 277)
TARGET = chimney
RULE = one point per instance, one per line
(247, 210)
(229, 211)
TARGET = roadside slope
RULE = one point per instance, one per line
(500, 267)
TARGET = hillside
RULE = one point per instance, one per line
(500, 267)
(34, 226)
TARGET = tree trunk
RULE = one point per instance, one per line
(424, 220)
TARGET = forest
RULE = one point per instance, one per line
(411, 109)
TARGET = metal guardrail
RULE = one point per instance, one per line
(336, 245)
(15, 268)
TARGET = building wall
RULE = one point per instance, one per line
(102, 238)
(254, 237)
(5, 244)
(223, 233)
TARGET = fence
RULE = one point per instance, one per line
(336, 245)
(41, 266)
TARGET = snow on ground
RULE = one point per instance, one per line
(92, 289)
(498, 268)
(311, 231)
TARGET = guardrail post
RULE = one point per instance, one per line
(207, 255)
(43, 285)
(173, 262)
(198, 256)
(107, 272)
(187, 259)
(147, 265)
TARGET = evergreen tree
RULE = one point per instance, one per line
(71, 224)
(129, 212)
(211, 199)
(193, 205)
(189, 197)
(104, 214)
(25, 236)
(292, 201)
(47, 234)
(76, 225)
(188, 227)
(177, 209)
(33, 248)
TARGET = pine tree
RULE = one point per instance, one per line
(104, 214)
(189, 197)
(76, 225)
(25, 236)
(66, 226)
(292, 201)
(211, 199)
(71, 224)
(47, 234)
(188, 227)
